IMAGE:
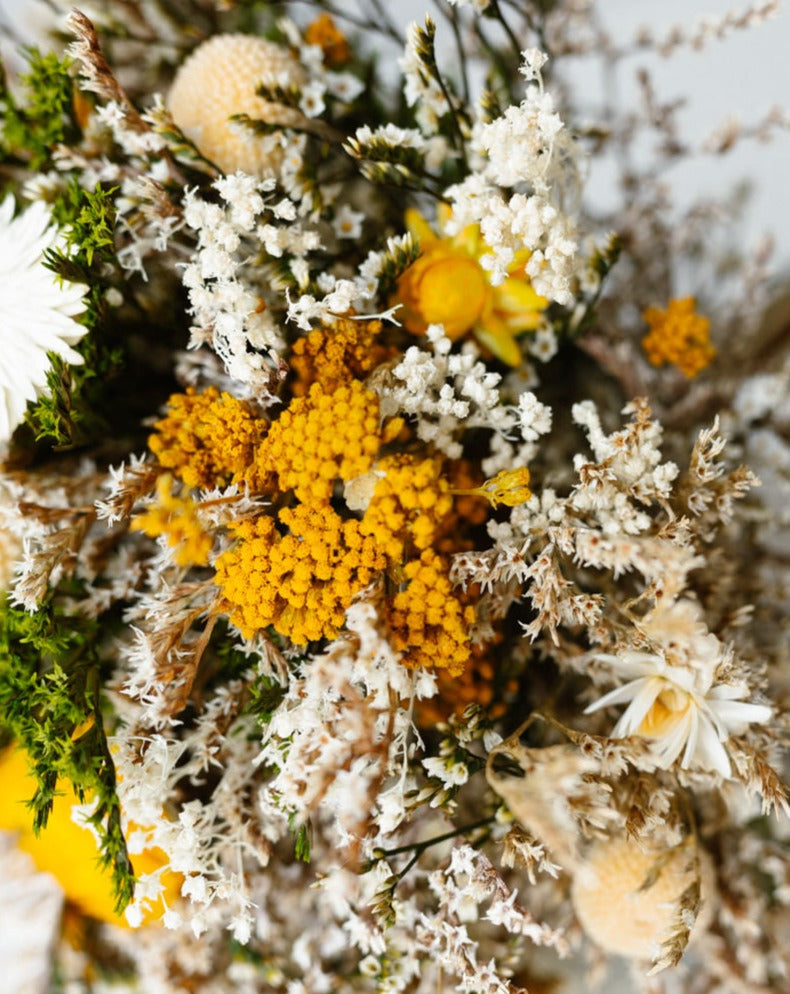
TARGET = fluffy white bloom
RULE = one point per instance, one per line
(681, 709)
(37, 310)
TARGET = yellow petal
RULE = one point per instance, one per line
(499, 340)
(65, 849)
(419, 228)
(517, 298)
(468, 240)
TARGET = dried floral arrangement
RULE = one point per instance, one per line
(391, 602)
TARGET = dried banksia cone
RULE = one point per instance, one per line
(627, 898)
(218, 80)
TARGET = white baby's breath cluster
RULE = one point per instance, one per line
(226, 310)
(528, 152)
(448, 393)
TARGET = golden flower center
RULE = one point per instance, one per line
(453, 292)
(667, 710)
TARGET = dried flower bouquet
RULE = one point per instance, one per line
(388, 607)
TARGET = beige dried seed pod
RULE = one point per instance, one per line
(626, 897)
(219, 80)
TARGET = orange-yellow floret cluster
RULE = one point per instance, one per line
(429, 623)
(481, 683)
(207, 439)
(333, 355)
(679, 336)
(330, 39)
(177, 518)
(298, 567)
(408, 504)
(302, 582)
(320, 438)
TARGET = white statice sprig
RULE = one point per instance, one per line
(447, 393)
(226, 307)
(524, 192)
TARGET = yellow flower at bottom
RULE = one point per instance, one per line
(429, 624)
(65, 849)
(447, 285)
(679, 336)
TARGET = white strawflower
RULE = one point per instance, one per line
(37, 310)
(681, 710)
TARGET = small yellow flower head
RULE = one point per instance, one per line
(429, 624)
(447, 285)
(408, 505)
(207, 439)
(320, 438)
(177, 518)
(301, 583)
(679, 336)
(218, 80)
(620, 905)
(330, 39)
(509, 487)
(334, 354)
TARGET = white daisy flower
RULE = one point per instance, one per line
(36, 310)
(680, 709)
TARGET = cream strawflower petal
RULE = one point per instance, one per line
(709, 749)
(37, 310)
(644, 693)
(617, 696)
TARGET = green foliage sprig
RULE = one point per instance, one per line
(47, 118)
(67, 414)
(50, 676)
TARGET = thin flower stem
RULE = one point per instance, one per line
(451, 16)
(420, 847)
(392, 28)
(514, 42)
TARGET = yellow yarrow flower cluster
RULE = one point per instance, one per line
(177, 518)
(207, 439)
(408, 504)
(324, 33)
(302, 582)
(334, 354)
(298, 567)
(447, 285)
(318, 439)
(430, 626)
(679, 336)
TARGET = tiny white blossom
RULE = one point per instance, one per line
(348, 222)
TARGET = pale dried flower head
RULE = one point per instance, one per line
(219, 80)
(625, 896)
